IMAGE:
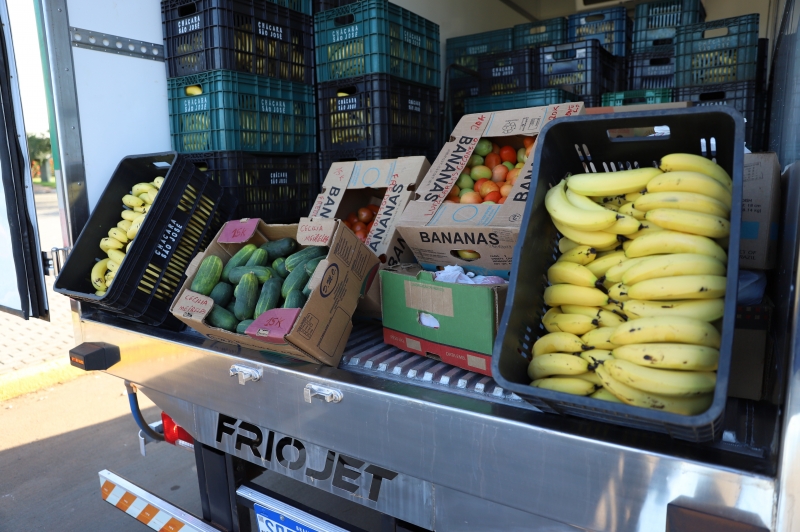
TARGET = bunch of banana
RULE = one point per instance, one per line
(119, 239)
(640, 279)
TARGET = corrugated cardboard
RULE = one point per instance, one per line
(388, 183)
(319, 331)
(467, 316)
(435, 230)
(761, 206)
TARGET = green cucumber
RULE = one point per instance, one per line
(239, 259)
(296, 281)
(270, 297)
(262, 272)
(311, 265)
(282, 247)
(307, 288)
(260, 257)
(311, 252)
(222, 294)
(247, 297)
(207, 275)
(230, 307)
(295, 299)
(280, 267)
(222, 319)
(243, 325)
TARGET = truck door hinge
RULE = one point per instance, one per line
(54, 260)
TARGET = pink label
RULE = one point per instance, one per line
(238, 231)
(193, 305)
(273, 325)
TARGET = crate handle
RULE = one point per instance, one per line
(595, 18)
(344, 92)
(660, 61)
(537, 30)
(712, 96)
(715, 32)
(344, 20)
(187, 9)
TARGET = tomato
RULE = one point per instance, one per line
(508, 165)
(528, 150)
(495, 148)
(454, 192)
(471, 197)
(499, 173)
(365, 215)
(505, 190)
(521, 155)
(507, 153)
(475, 160)
(492, 196)
(352, 218)
(374, 208)
(478, 183)
(492, 160)
(348, 224)
(362, 235)
(487, 187)
(359, 226)
(502, 200)
(483, 147)
(464, 181)
(481, 172)
(464, 191)
(512, 176)
(527, 141)
(369, 226)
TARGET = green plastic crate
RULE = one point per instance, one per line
(466, 49)
(615, 99)
(537, 98)
(303, 6)
(241, 112)
(376, 37)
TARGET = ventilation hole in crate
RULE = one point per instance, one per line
(585, 168)
(591, 166)
(186, 10)
(580, 154)
(344, 20)
(605, 167)
(703, 150)
(713, 143)
(715, 32)
(586, 151)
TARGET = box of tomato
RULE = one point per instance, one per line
(468, 208)
(369, 197)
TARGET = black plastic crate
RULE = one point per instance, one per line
(744, 96)
(542, 33)
(466, 49)
(275, 188)
(691, 131)
(654, 23)
(519, 100)
(582, 68)
(651, 70)
(254, 36)
(376, 110)
(460, 89)
(706, 57)
(186, 214)
(509, 72)
(327, 158)
(610, 26)
(324, 5)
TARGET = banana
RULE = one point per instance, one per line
(118, 234)
(628, 210)
(680, 287)
(601, 265)
(570, 323)
(98, 274)
(685, 201)
(559, 342)
(679, 162)
(612, 183)
(625, 225)
(691, 182)
(140, 188)
(615, 273)
(591, 312)
(100, 293)
(128, 247)
(696, 223)
(669, 329)
(571, 273)
(671, 265)
(600, 338)
(158, 181)
(565, 294)
(582, 202)
(610, 201)
(569, 385)
(124, 225)
(662, 242)
(615, 247)
(590, 376)
(596, 239)
(547, 319)
(582, 255)
(132, 201)
(109, 277)
(605, 395)
(619, 292)
(145, 197)
(565, 244)
(678, 405)
(596, 356)
(611, 207)
(142, 209)
(609, 319)
(112, 266)
(633, 196)
(556, 364)
(561, 210)
(129, 215)
(116, 256)
(132, 232)
(661, 381)
(608, 284)
(669, 356)
(110, 243)
(701, 309)
(647, 228)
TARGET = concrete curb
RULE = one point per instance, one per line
(34, 378)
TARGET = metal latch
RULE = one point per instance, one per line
(330, 395)
(53, 262)
(245, 373)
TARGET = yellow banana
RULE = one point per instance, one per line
(591, 312)
(647, 228)
(615, 247)
(100, 293)
(569, 385)
(605, 395)
(661, 381)
(619, 292)
(600, 338)
(565, 245)
(124, 225)
(561, 210)
(611, 207)
(99, 273)
(670, 356)
(193, 90)
(582, 202)
(141, 188)
(590, 376)
(696, 223)
(128, 247)
(596, 239)
(142, 209)
(601, 265)
(579, 255)
(158, 181)
(701, 309)
(129, 215)
(116, 256)
(691, 182)
(671, 265)
(134, 230)
(687, 162)
(685, 201)
(662, 242)
(556, 364)
(615, 273)
(609, 319)
(145, 197)
(132, 201)
(629, 210)
(109, 277)
(112, 266)
(118, 234)
(612, 183)
(559, 342)
(596, 356)
(564, 294)
(633, 196)
(666, 329)
(608, 284)
(570, 273)
(680, 287)
(110, 243)
(570, 323)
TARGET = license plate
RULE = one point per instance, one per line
(290, 520)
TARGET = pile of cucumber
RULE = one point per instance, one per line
(247, 286)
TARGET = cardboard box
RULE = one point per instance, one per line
(761, 209)
(435, 230)
(467, 317)
(637, 107)
(749, 353)
(388, 183)
(319, 331)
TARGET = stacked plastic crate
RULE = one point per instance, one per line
(241, 99)
(379, 78)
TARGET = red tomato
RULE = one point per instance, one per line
(369, 226)
(507, 153)
(492, 160)
(478, 183)
(365, 215)
(374, 208)
(359, 226)
(362, 235)
(502, 200)
(487, 188)
(352, 218)
(492, 196)
(348, 224)
(527, 141)
(495, 148)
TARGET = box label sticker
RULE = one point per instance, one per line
(273, 325)
(238, 231)
(194, 306)
(429, 298)
(317, 232)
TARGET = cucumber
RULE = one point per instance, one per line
(230, 306)
(307, 288)
(243, 325)
(207, 275)
(296, 281)
(270, 297)
(260, 257)
(282, 247)
(280, 267)
(262, 272)
(311, 265)
(247, 297)
(236, 291)
(222, 294)
(222, 319)
(239, 259)
(295, 299)
(311, 252)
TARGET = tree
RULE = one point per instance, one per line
(39, 150)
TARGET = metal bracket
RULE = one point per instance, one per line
(245, 373)
(103, 42)
(144, 439)
(330, 395)
(54, 261)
